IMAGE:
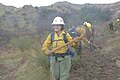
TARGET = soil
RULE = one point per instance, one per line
(96, 65)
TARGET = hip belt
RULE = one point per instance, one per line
(60, 55)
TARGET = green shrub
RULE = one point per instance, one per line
(23, 43)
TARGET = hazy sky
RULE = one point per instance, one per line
(20, 3)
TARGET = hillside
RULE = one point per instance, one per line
(29, 20)
(40, 18)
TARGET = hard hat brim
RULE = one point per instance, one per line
(58, 24)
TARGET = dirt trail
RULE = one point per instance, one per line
(98, 64)
(23, 63)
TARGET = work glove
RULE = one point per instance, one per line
(75, 43)
(47, 52)
(76, 39)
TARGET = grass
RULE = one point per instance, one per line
(34, 67)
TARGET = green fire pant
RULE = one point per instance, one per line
(60, 67)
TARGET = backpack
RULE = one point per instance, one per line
(73, 33)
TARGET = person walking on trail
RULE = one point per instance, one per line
(73, 33)
(89, 35)
(111, 26)
(60, 60)
(118, 23)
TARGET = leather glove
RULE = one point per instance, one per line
(74, 44)
(47, 52)
(76, 39)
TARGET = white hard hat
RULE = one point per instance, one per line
(89, 25)
(58, 20)
(85, 23)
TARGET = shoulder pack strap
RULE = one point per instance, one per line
(65, 38)
(52, 37)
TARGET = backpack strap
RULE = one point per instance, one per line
(52, 37)
(64, 37)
